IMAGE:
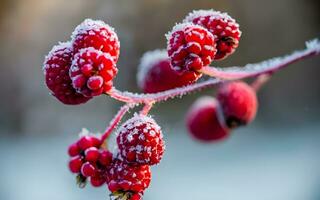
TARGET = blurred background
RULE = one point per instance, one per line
(274, 158)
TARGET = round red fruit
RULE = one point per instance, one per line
(92, 154)
(190, 47)
(88, 170)
(239, 103)
(205, 120)
(75, 164)
(96, 34)
(155, 73)
(56, 70)
(97, 180)
(125, 177)
(92, 72)
(222, 26)
(73, 150)
(140, 141)
(105, 158)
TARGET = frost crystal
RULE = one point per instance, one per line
(203, 13)
(88, 26)
(62, 48)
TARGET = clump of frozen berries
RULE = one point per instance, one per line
(205, 120)
(155, 73)
(85, 67)
(140, 141)
(92, 72)
(56, 70)
(125, 178)
(96, 34)
(239, 103)
(222, 26)
(190, 47)
(89, 160)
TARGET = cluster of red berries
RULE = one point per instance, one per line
(203, 37)
(85, 67)
(76, 71)
(211, 119)
(89, 160)
(140, 145)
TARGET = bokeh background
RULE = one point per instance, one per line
(274, 158)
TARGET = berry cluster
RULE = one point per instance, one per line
(76, 71)
(211, 119)
(140, 145)
(204, 36)
(85, 67)
(89, 160)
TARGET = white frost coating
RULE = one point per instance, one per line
(313, 44)
(148, 60)
(61, 49)
(86, 132)
(270, 65)
(90, 25)
(180, 27)
(203, 13)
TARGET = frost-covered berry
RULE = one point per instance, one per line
(75, 164)
(92, 154)
(205, 120)
(88, 170)
(89, 159)
(155, 73)
(92, 72)
(190, 47)
(96, 34)
(222, 26)
(97, 181)
(140, 141)
(87, 141)
(123, 177)
(239, 103)
(56, 70)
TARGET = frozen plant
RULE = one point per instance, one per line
(85, 67)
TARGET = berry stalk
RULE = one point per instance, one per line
(268, 66)
(221, 74)
(146, 109)
(115, 121)
(260, 81)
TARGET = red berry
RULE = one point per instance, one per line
(92, 72)
(239, 103)
(56, 70)
(155, 73)
(124, 177)
(140, 140)
(97, 181)
(205, 120)
(92, 154)
(86, 142)
(190, 47)
(96, 34)
(88, 169)
(75, 164)
(136, 196)
(73, 150)
(105, 158)
(222, 26)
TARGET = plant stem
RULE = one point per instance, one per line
(115, 121)
(221, 74)
(260, 81)
(146, 108)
